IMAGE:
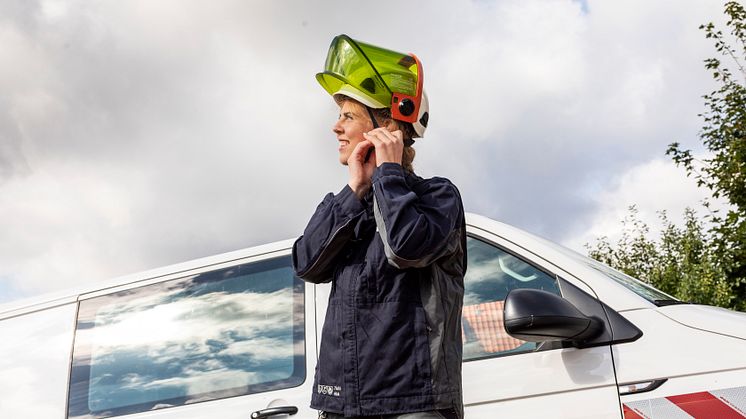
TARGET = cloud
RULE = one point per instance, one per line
(651, 187)
(138, 134)
(565, 102)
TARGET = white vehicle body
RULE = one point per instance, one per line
(221, 337)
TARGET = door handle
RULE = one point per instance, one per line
(271, 411)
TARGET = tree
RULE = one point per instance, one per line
(724, 136)
(716, 256)
(680, 262)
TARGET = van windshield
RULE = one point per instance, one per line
(646, 291)
(642, 289)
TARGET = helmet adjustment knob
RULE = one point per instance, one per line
(406, 107)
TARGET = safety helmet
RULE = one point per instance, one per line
(377, 78)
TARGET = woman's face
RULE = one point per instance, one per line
(352, 123)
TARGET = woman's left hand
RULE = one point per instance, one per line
(389, 145)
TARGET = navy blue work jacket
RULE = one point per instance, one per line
(391, 341)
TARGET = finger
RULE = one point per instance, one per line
(383, 133)
(394, 136)
(360, 149)
(380, 136)
(371, 162)
(374, 138)
(387, 136)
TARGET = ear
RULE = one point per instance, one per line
(392, 125)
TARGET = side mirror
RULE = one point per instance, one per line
(537, 316)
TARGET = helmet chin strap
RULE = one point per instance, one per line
(372, 117)
(407, 141)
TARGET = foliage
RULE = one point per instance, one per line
(716, 256)
(680, 262)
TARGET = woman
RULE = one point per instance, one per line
(393, 246)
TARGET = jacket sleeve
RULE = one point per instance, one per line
(416, 228)
(330, 227)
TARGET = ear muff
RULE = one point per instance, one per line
(405, 107)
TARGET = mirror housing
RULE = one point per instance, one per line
(537, 316)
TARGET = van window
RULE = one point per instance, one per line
(34, 362)
(218, 334)
(640, 288)
(491, 274)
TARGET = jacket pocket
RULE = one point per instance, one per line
(393, 352)
(422, 344)
(329, 370)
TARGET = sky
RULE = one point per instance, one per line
(136, 134)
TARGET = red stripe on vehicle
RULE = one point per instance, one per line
(631, 414)
(704, 406)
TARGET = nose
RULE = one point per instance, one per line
(337, 127)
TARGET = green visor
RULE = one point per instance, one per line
(368, 73)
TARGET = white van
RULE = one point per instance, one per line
(236, 336)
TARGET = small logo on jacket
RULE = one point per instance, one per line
(329, 390)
